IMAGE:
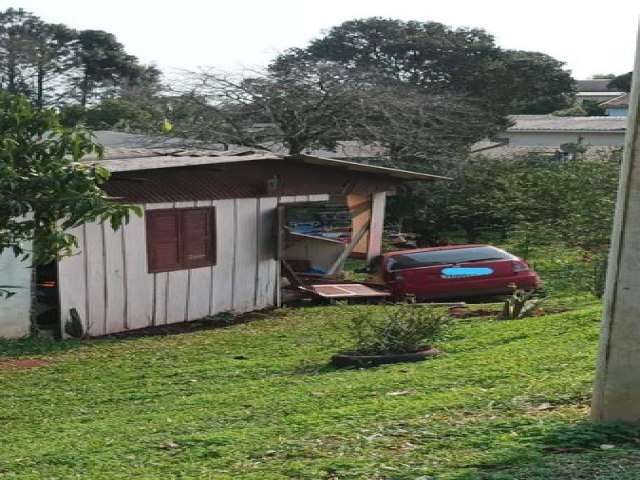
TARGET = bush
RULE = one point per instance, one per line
(397, 329)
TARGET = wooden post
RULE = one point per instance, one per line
(616, 395)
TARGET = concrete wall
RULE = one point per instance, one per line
(555, 139)
(15, 312)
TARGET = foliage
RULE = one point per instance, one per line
(73, 326)
(317, 105)
(54, 65)
(521, 304)
(44, 190)
(537, 197)
(182, 406)
(439, 58)
(622, 82)
(109, 114)
(398, 329)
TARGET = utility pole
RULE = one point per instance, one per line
(616, 395)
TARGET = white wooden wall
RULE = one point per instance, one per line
(108, 282)
(15, 311)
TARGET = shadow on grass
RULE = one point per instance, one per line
(585, 451)
(36, 346)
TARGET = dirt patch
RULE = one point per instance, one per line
(25, 363)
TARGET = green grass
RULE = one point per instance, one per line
(182, 407)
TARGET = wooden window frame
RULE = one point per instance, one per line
(183, 263)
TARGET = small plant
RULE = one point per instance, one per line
(73, 326)
(521, 304)
(399, 329)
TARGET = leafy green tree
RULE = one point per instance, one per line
(109, 114)
(439, 59)
(44, 189)
(37, 57)
(104, 65)
(622, 82)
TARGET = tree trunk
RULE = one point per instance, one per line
(40, 88)
(84, 89)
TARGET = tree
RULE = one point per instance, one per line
(621, 82)
(440, 59)
(104, 65)
(37, 57)
(317, 105)
(44, 190)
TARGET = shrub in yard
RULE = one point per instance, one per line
(397, 329)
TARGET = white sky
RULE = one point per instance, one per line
(590, 37)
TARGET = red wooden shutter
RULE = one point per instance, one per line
(198, 237)
(163, 240)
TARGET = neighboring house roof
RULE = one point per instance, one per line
(594, 85)
(552, 123)
(619, 102)
(501, 150)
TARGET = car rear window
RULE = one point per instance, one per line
(446, 257)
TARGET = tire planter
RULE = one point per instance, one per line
(352, 359)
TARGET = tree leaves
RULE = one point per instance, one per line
(44, 191)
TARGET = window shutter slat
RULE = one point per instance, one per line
(163, 240)
(197, 244)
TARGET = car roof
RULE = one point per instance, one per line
(434, 249)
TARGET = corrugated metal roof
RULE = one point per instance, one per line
(552, 123)
(126, 160)
(138, 159)
(242, 180)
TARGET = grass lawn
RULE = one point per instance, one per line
(508, 400)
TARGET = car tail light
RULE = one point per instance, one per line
(519, 266)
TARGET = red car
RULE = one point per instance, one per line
(452, 272)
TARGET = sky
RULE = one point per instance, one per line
(591, 38)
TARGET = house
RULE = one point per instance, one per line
(617, 107)
(553, 131)
(596, 90)
(211, 239)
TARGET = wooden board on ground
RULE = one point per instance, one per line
(344, 290)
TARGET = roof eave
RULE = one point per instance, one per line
(361, 167)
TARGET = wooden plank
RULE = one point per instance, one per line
(178, 286)
(245, 266)
(322, 197)
(139, 282)
(115, 300)
(177, 295)
(376, 230)
(222, 272)
(266, 281)
(72, 286)
(354, 241)
(347, 290)
(201, 288)
(161, 282)
(96, 281)
(158, 206)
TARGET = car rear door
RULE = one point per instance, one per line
(449, 271)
